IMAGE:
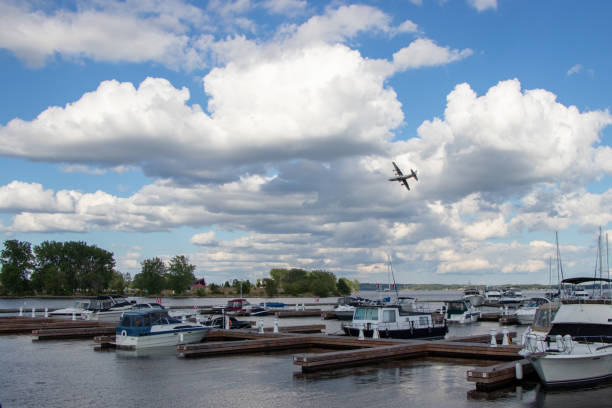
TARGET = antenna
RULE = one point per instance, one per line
(393, 276)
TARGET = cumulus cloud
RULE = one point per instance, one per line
(157, 33)
(204, 239)
(424, 52)
(482, 5)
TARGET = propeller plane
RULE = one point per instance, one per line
(401, 177)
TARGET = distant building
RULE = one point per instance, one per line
(200, 283)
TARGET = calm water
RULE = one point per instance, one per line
(71, 374)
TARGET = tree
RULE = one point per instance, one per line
(322, 283)
(270, 287)
(17, 266)
(344, 286)
(151, 278)
(119, 282)
(180, 274)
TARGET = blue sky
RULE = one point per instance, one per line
(250, 135)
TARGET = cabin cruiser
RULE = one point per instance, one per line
(492, 295)
(474, 296)
(156, 328)
(77, 308)
(107, 308)
(393, 321)
(511, 297)
(240, 307)
(525, 314)
(461, 311)
(578, 348)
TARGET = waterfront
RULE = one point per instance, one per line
(71, 374)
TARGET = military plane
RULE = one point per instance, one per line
(401, 177)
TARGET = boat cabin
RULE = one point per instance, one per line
(457, 307)
(138, 323)
(390, 317)
(108, 302)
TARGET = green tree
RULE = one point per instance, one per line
(119, 282)
(215, 289)
(180, 274)
(151, 278)
(17, 266)
(322, 283)
(344, 286)
(270, 287)
(278, 275)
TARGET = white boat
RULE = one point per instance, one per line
(568, 362)
(492, 295)
(156, 328)
(344, 312)
(525, 314)
(77, 308)
(511, 297)
(393, 321)
(461, 311)
(107, 308)
(474, 296)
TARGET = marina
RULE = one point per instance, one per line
(306, 348)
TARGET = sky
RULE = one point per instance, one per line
(250, 135)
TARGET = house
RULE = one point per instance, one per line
(200, 283)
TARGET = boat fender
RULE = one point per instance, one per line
(123, 333)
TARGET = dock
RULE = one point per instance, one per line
(26, 325)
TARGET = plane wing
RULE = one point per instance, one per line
(397, 170)
(405, 183)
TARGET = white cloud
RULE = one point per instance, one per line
(204, 239)
(156, 33)
(286, 7)
(482, 5)
(424, 52)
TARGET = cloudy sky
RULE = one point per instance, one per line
(252, 134)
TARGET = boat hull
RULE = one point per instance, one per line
(557, 370)
(429, 332)
(162, 339)
(475, 300)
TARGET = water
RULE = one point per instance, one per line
(70, 374)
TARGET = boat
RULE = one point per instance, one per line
(154, 327)
(240, 307)
(76, 309)
(344, 312)
(394, 321)
(107, 308)
(510, 297)
(578, 348)
(525, 314)
(474, 296)
(461, 311)
(492, 295)
(565, 361)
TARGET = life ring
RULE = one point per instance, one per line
(230, 323)
(123, 333)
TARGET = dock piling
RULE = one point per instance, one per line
(493, 338)
(361, 336)
(275, 326)
(21, 311)
(505, 337)
(33, 312)
(518, 370)
(376, 334)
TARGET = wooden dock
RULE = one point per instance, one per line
(25, 325)
(298, 313)
(499, 375)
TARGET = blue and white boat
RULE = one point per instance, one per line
(156, 328)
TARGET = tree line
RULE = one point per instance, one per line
(76, 268)
(295, 282)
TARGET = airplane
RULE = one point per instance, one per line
(401, 177)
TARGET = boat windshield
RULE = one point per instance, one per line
(366, 313)
(457, 307)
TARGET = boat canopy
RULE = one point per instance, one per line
(577, 281)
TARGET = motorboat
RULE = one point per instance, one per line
(156, 328)
(474, 296)
(344, 312)
(76, 309)
(107, 308)
(240, 307)
(563, 361)
(461, 311)
(393, 321)
(578, 347)
(525, 314)
(511, 297)
(492, 295)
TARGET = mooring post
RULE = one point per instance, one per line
(260, 325)
(20, 310)
(518, 371)
(297, 307)
(275, 325)
(181, 338)
(183, 319)
(303, 307)
(46, 312)
(375, 334)
(493, 339)
(227, 323)
(361, 336)
(33, 312)
(505, 337)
